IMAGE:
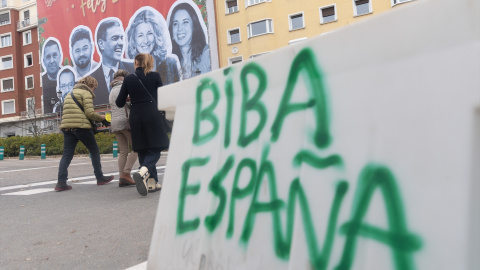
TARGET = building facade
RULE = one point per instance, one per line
(20, 86)
(250, 28)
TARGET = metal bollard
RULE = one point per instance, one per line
(2, 152)
(22, 152)
(115, 149)
(43, 151)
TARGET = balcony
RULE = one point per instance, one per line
(27, 24)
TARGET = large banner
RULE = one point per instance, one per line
(97, 38)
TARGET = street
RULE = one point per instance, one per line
(88, 227)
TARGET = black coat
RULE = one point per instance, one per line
(146, 122)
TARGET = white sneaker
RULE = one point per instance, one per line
(141, 178)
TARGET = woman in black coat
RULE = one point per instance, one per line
(149, 135)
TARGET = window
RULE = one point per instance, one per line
(27, 37)
(30, 106)
(235, 60)
(4, 18)
(260, 28)
(8, 106)
(7, 62)
(234, 36)
(28, 58)
(296, 21)
(3, 3)
(361, 7)
(6, 40)
(254, 2)
(328, 14)
(232, 6)
(7, 84)
(29, 82)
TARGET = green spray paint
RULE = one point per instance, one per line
(240, 193)
(401, 242)
(229, 94)
(215, 186)
(397, 237)
(305, 63)
(252, 104)
(185, 190)
(206, 114)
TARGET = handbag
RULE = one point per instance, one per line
(128, 118)
(94, 126)
(168, 125)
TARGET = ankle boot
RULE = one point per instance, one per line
(153, 186)
(141, 178)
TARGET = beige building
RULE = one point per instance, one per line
(250, 28)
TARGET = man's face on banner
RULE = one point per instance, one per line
(66, 81)
(82, 53)
(51, 60)
(112, 46)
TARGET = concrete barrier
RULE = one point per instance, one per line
(358, 149)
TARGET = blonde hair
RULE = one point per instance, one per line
(145, 61)
(89, 81)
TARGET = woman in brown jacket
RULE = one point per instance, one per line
(76, 127)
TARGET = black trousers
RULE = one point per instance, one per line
(149, 159)
(70, 140)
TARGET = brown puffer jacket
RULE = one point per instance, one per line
(73, 117)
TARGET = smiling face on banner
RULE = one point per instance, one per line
(109, 37)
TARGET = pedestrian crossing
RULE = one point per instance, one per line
(31, 189)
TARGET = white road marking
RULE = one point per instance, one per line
(39, 168)
(30, 191)
(72, 181)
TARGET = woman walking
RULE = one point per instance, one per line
(149, 136)
(121, 127)
(76, 126)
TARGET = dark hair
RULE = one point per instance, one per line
(198, 36)
(79, 34)
(103, 27)
(49, 43)
(146, 16)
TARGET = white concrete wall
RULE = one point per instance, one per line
(376, 161)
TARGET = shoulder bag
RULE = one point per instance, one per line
(94, 127)
(168, 125)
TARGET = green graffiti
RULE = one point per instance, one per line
(215, 186)
(266, 170)
(229, 94)
(252, 104)
(311, 159)
(207, 113)
(304, 63)
(401, 242)
(240, 193)
(397, 238)
(185, 189)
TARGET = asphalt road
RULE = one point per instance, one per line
(88, 227)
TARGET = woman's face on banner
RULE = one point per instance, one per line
(144, 38)
(182, 28)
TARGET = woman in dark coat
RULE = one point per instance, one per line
(149, 135)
